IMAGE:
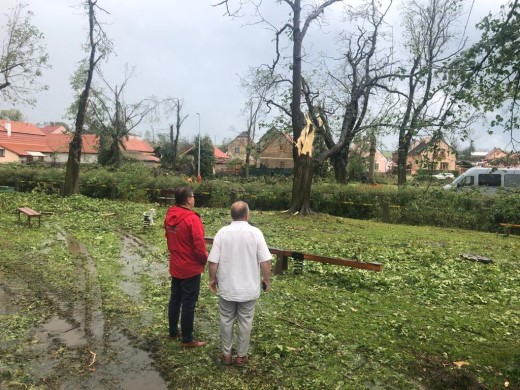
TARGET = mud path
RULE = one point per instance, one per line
(74, 348)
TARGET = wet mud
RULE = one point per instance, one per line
(74, 348)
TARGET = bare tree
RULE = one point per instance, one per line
(257, 85)
(430, 32)
(297, 28)
(117, 118)
(22, 56)
(340, 112)
(175, 105)
(99, 46)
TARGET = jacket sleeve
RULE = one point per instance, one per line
(199, 243)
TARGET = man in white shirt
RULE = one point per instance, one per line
(239, 251)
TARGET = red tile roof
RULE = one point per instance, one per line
(149, 158)
(219, 153)
(60, 143)
(23, 149)
(27, 137)
(135, 144)
(58, 129)
(21, 127)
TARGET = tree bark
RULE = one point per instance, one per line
(302, 184)
(72, 173)
(340, 168)
(372, 158)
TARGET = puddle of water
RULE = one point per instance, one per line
(119, 366)
(62, 331)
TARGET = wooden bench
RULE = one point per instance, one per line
(165, 200)
(30, 213)
(167, 197)
(282, 259)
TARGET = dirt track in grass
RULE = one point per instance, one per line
(73, 347)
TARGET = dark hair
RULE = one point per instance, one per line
(182, 194)
(239, 211)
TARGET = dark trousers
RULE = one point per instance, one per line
(183, 298)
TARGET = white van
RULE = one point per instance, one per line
(487, 180)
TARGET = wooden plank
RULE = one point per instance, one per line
(509, 225)
(282, 256)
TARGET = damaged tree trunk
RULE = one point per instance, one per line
(303, 170)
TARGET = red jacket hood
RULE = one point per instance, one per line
(177, 214)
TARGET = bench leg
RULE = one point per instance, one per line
(281, 264)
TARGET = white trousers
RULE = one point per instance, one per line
(243, 313)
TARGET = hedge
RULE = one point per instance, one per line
(386, 203)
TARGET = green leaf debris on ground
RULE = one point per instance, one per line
(429, 320)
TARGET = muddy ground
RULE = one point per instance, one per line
(75, 347)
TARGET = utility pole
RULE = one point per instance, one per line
(199, 177)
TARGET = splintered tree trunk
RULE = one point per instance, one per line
(302, 184)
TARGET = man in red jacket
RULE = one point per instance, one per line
(188, 256)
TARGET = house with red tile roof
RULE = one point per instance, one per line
(24, 142)
(59, 143)
(138, 148)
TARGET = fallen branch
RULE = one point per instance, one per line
(93, 360)
(480, 259)
(296, 324)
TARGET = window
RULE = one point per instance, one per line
(489, 179)
(237, 149)
(282, 164)
(444, 166)
(376, 167)
(2, 152)
(468, 181)
(511, 180)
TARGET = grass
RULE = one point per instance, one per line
(429, 320)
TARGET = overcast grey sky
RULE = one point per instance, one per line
(179, 48)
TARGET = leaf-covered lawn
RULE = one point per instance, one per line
(430, 319)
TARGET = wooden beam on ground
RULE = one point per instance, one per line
(282, 257)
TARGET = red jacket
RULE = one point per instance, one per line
(185, 239)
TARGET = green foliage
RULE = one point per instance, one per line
(424, 204)
(168, 155)
(330, 327)
(207, 156)
(357, 168)
(22, 56)
(487, 74)
(13, 115)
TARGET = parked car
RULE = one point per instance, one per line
(444, 176)
(487, 180)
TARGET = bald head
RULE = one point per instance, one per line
(240, 211)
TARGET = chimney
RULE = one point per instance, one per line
(8, 128)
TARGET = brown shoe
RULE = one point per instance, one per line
(226, 360)
(241, 361)
(193, 344)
